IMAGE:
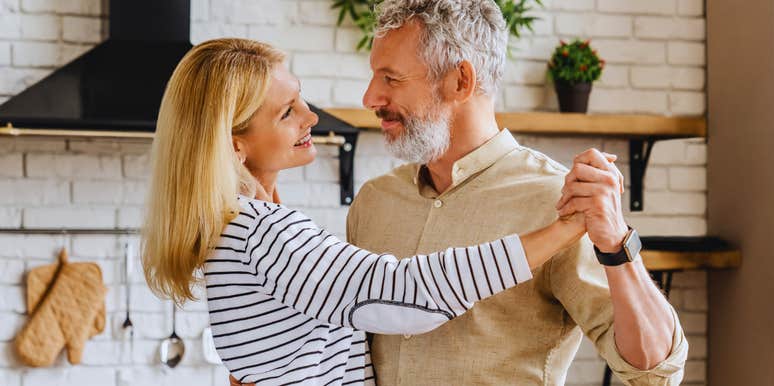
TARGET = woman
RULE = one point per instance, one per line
(288, 301)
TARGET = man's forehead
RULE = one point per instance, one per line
(395, 50)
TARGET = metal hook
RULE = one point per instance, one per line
(63, 239)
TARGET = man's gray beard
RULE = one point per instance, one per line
(423, 139)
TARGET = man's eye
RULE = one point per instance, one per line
(287, 113)
(389, 79)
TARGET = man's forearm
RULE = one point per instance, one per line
(642, 320)
(643, 323)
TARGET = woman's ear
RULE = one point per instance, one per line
(239, 148)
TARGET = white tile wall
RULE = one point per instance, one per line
(655, 52)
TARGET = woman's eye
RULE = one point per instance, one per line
(287, 113)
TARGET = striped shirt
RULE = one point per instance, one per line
(289, 302)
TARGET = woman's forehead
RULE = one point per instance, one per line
(284, 80)
(284, 87)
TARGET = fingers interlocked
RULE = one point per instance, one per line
(593, 177)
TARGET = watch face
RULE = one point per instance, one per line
(633, 245)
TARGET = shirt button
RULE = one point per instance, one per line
(438, 203)
(406, 336)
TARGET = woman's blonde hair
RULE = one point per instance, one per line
(212, 94)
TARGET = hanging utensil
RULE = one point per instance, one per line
(172, 349)
(127, 326)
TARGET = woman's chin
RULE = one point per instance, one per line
(305, 156)
(311, 154)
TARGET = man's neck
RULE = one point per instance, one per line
(472, 126)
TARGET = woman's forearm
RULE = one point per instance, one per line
(313, 272)
(542, 244)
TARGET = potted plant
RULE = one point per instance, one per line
(574, 67)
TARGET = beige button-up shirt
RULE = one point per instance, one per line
(527, 335)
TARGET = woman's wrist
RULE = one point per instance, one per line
(544, 243)
(568, 230)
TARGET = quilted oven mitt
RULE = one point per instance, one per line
(66, 304)
(39, 279)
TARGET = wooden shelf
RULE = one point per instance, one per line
(619, 125)
(682, 261)
(688, 253)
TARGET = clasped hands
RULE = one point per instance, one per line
(592, 189)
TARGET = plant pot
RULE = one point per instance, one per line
(573, 98)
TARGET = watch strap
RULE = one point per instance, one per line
(616, 258)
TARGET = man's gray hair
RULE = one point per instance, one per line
(453, 31)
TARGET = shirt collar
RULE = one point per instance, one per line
(474, 162)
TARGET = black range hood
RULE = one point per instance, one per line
(115, 89)
(116, 86)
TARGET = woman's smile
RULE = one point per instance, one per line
(305, 142)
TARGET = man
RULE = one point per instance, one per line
(436, 66)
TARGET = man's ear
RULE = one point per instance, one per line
(461, 82)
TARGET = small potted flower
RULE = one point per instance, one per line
(574, 67)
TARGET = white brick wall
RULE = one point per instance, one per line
(40, 27)
(655, 7)
(655, 53)
(594, 25)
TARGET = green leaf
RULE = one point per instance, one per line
(363, 42)
(342, 13)
(353, 13)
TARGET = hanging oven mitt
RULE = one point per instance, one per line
(38, 281)
(65, 315)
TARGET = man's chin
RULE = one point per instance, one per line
(389, 138)
(392, 129)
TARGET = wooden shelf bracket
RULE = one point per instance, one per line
(347, 168)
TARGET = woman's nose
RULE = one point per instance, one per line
(313, 119)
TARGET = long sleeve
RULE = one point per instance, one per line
(315, 273)
(579, 282)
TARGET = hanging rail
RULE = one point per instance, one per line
(70, 231)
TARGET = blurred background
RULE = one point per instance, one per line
(708, 174)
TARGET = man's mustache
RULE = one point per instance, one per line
(389, 115)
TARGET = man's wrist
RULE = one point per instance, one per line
(617, 243)
(629, 251)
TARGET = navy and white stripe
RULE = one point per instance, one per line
(289, 302)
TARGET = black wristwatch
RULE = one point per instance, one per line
(629, 251)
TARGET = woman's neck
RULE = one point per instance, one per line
(267, 186)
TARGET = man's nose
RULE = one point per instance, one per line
(374, 98)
